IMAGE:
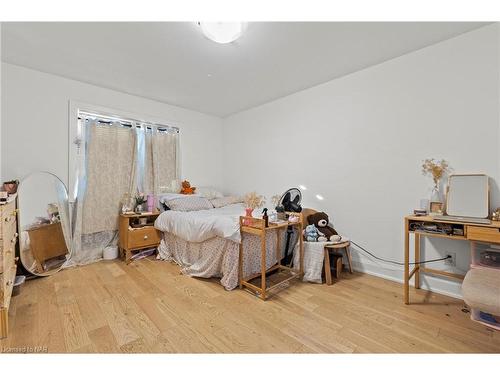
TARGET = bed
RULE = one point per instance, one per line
(205, 242)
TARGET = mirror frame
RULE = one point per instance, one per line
(487, 193)
(19, 215)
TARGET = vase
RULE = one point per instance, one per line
(248, 213)
(435, 195)
(139, 209)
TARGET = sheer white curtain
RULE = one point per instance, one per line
(106, 172)
(164, 159)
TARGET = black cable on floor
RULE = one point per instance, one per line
(398, 263)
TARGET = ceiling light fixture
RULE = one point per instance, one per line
(223, 32)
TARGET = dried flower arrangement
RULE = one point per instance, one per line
(435, 168)
(253, 201)
(275, 200)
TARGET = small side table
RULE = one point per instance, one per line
(336, 247)
(260, 282)
(137, 237)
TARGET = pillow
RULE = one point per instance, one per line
(165, 197)
(225, 201)
(189, 203)
(208, 192)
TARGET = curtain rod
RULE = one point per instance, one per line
(124, 121)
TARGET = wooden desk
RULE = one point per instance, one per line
(471, 232)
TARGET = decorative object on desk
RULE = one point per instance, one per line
(468, 196)
(140, 199)
(273, 214)
(187, 188)
(495, 216)
(265, 217)
(253, 200)
(424, 204)
(419, 212)
(151, 202)
(436, 208)
(321, 221)
(437, 169)
(11, 186)
(128, 203)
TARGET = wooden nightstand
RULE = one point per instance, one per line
(135, 237)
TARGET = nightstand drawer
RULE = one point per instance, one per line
(142, 237)
(483, 234)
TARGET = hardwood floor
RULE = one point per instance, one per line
(148, 306)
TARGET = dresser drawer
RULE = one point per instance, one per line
(7, 255)
(8, 213)
(143, 237)
(9, 234)
(483, 234)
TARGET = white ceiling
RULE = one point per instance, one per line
(173, 62)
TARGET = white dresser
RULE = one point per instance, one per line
(8, 239)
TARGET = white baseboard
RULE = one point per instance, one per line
(434, 284)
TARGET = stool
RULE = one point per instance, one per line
(336, 247)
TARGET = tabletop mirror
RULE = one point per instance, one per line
(468, 195)
(44, 223)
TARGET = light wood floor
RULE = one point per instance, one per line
(149, 307)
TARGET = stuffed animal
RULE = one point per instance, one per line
(187, 188)
(320, 221)
(311, 233)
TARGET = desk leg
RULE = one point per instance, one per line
(240, 264)
(263, 265)
(406, 290)
(417, 259)
(301, 250)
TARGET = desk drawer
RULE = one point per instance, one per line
(483, 234)
(143, 237)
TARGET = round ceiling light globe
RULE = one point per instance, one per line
(223, 32)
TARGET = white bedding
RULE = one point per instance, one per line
(199, 226)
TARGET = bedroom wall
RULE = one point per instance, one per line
(35, 125)
(359, 142)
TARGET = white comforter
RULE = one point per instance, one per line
(199, 226)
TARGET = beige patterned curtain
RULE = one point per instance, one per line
(161, 160)
(110, 169)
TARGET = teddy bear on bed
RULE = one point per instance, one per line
(320, 221)
(187, 188)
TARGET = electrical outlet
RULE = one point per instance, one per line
(451, 261)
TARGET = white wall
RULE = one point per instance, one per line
(35, 125)
(359, 141)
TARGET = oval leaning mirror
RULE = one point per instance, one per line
(44, 239)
